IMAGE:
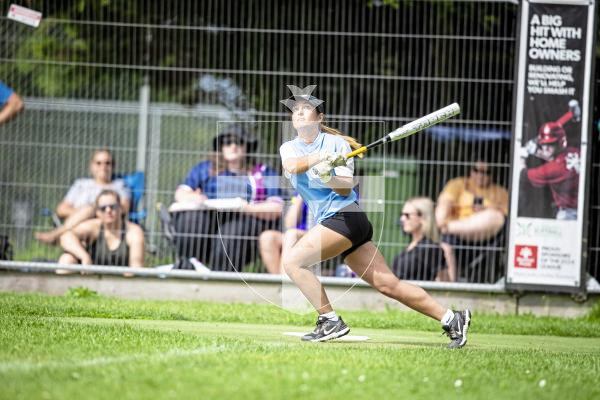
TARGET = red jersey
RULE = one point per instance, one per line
(561, 175)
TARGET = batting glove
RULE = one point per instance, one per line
(323, 171)
(529, 149)
(334, 159)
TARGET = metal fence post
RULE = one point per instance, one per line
(152, 176)
(142, 128)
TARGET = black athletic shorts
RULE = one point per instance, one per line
(352, 223)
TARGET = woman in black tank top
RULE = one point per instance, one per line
(109, 239)
(102, 255)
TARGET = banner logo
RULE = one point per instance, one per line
(526, 256)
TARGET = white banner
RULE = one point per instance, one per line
(551, 145)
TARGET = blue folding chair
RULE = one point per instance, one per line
(135, 181)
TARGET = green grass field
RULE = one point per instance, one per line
(85, 346)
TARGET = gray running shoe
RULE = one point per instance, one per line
(327, 330)
(457, 329)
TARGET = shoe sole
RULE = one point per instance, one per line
(465, 328)
(333, 335)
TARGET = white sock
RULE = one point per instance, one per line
(332, 316)
(448, 317)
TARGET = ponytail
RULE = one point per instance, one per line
(354, 144)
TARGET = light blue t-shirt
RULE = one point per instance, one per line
(323, 201)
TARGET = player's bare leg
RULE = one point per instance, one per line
(369, 264)
(316, 245)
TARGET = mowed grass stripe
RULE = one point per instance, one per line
(262, 363)
(104, 307)
(273, 334)
(26, 366)
(164, 358)
(389, 336)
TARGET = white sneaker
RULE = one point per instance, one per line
(198, 266)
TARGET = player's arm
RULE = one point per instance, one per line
(342, 185)
(12, 107)
(292, 164)
(341, 170)
(299, 165)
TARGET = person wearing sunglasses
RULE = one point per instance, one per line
(78, 204)
(109, 239)
(226, 240)
(423, 258)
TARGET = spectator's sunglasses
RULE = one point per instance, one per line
(408, 215)
(229, 140)
(108, 207)
(481, 171)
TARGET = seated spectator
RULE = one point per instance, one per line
(273, 243)
(423, 259)
(472, 208)
(78, 204)
(226, 240)
(108, 239)
(471, 211)
(10, 103)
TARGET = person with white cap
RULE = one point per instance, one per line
(342, 226)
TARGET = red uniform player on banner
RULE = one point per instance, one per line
(560, 170)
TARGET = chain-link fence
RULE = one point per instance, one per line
(88, 69)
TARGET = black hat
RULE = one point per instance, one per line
(239, 133)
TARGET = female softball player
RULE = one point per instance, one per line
(342, 227)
